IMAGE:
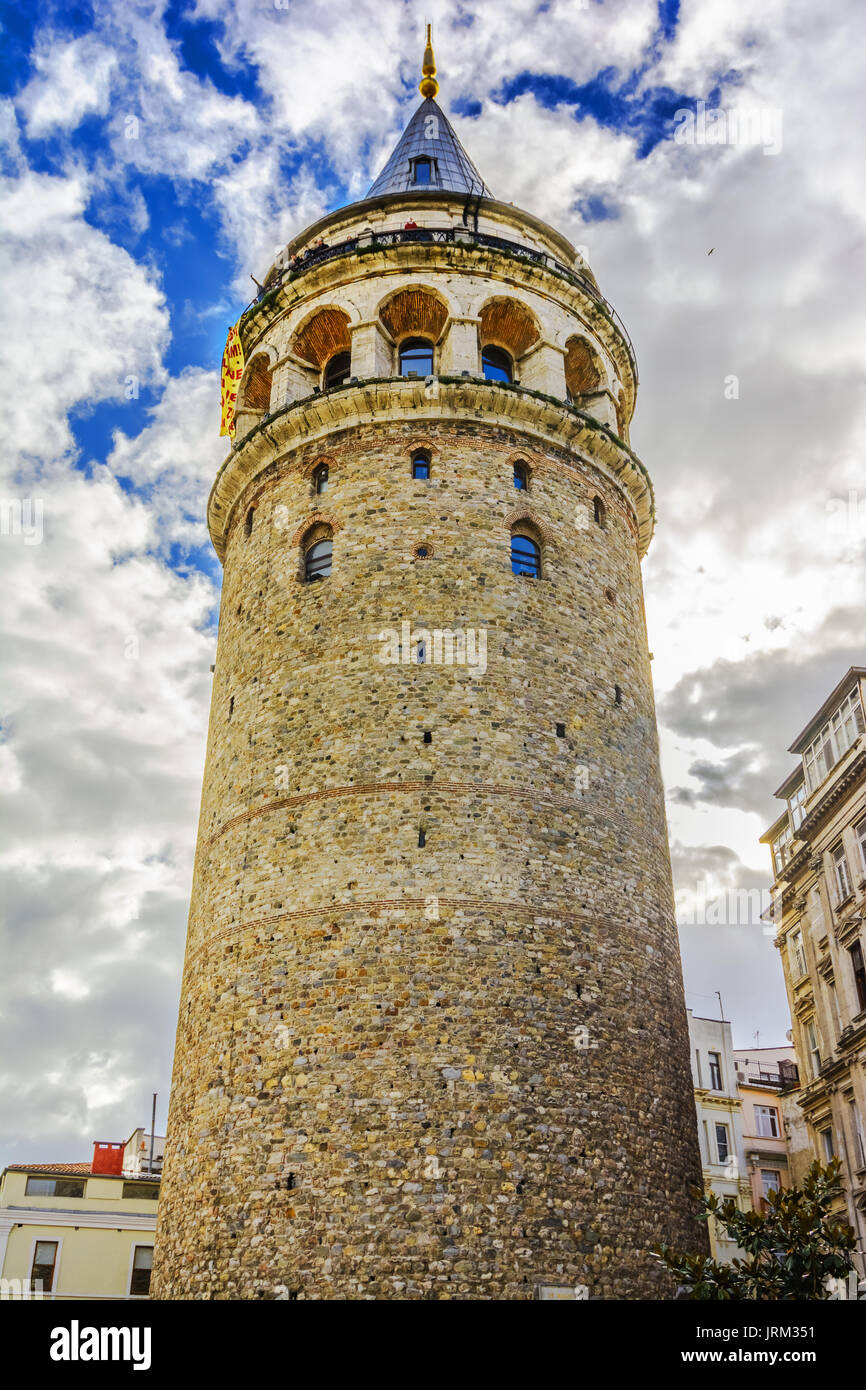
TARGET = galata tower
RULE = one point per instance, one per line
(432, 1038)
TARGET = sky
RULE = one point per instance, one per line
(706, 154)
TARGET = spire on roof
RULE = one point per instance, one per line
(428, 157)
(428, 86)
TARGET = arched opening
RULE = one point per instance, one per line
(584, 373)
(521, 476)
(255, 394)
(416, 357)
(324, 337)
(497, 364)
(414, 317)
(337, 370)
(599, 511)
(248, 523)
(317, 548)
(525, 555)
(506, 327)
(321, 478)
(317, 560)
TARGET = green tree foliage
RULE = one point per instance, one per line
(791, 1249)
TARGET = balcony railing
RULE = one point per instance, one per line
(437, 236)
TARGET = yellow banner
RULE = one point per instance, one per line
(230, 380)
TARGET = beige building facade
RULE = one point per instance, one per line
(772, 1144)
(432, 1038)
(73, 1231)
(818, 845)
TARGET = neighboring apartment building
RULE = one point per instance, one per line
(720, 1132)
(818, 846)
(765, 1078)
(82, 1230)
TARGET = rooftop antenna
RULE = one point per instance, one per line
(152, 1132)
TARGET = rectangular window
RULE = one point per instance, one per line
(859, 967)
(842, 729)
(55, 1187)
(796, 955)
(843, 876)
(715, 1071)
(860, 833)
(859, 1136)
(795, 806)
(722, 1145)
(44, 1260)
(142, 1263)
(770, 1181)
(828, 1148)
(767, 1121)
(814, 1049)
(149, 1191)
(782, 849)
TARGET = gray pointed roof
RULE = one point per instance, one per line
(429, 133)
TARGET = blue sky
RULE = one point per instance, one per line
(154, 156)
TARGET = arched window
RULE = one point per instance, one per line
(521, 476)
(421, 464)
(337, 369)
(598, 511)
(317, 560)
(525, 556)
(248, 524)
(496, 364)
(416, 357)
(320, 478)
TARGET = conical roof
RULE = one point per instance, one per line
(429, 135)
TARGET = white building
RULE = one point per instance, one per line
(720, 1128)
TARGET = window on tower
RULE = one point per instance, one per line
(496, 364)
(337, 370)
(317, 561)
(422, 170)
(416, 357)
(421, 464)
(320, 478)
(525, 556)
(521, 476)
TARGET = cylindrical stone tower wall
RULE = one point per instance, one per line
(432, 1038)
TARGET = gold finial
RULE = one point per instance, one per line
(428, 86)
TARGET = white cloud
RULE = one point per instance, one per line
(72, 80)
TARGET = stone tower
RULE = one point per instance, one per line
(432, 1038)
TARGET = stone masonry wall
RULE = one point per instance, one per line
(455, 1070)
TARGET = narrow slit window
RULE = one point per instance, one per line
(321, 478)
(521, 477)
(598, 511)
(248, 524)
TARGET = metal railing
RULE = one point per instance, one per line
(438, 236)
